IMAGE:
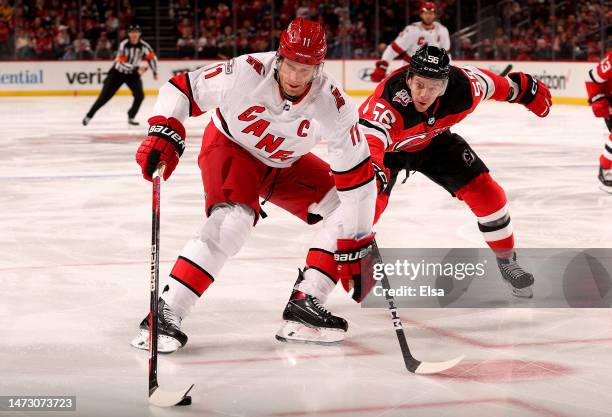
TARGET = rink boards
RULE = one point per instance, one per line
(51, 78)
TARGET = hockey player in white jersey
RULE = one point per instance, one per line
(269, 111)
(427, 31)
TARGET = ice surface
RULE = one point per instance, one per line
(75, 234)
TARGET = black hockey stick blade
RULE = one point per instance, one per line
(506, 70)
(161, 398)
(412, 364)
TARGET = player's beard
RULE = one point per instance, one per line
(295, 97)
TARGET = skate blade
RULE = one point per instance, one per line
(165, 344)
(605, 188)
(526, 292)
(293, 332)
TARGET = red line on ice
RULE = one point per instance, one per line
(542, 411)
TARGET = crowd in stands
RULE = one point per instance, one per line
(57, 29)
(92, 29)
(533, 32)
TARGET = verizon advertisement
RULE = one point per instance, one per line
(565, 79)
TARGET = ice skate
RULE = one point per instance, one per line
(605, 177)
(307, 321)
(170, 338)
(519, 280)
(133, 122)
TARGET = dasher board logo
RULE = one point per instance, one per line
(22, 77)
(402, 97)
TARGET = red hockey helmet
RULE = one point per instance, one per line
(303, 41)
(428, 6)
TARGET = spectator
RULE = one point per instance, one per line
(185, 46)
(24, 47)
(562, 47)
(111, 25)
(304, 10)
(243, 47)
(207, 48)
(127, 15)
(226, 42)
(82, 47)
(487, 49)
(103, 47)
(184, 26)
(6, 11)
(89, 11)
(502, 48)
(181, 10)
(62, 40)
(542, 52)
(5, 36)
(43, 44)
(466, 49)
(70, 54)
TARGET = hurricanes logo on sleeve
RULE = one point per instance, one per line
(468, 157)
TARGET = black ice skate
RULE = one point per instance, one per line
(519, 280)
(605, 177)
(307, 321)
(170, 338)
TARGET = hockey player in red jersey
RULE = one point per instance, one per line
(427, 31)
(269, 111)
(599, 89)
(407, 124)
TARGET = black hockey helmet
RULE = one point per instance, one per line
(134, 28)
(430, 62)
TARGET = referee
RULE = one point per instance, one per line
(126, 69)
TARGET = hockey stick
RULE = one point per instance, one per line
(412, 364)
(506, 70)
(157, 396)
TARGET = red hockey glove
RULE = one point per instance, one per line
(532, 93)
(380, 71)
(165, 144)
(355, 265)
(382, 177)
(600, 106)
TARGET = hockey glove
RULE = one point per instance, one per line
(382, 177)
(532, 93)
(165, 144)
(355, 265)
(380, 71)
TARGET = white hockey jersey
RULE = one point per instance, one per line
(251, 111)
(415, 35)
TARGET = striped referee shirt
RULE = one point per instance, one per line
(130, 55)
